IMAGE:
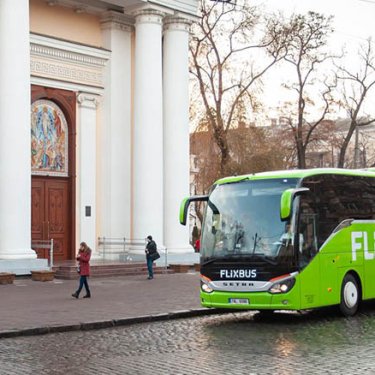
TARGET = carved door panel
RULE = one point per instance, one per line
(50, 216)
(37, 214)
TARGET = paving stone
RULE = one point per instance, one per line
(235, 343)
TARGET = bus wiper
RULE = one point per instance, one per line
(255, 242)
(236, 181)
(270, 260)
(213, 208)
(209, 261)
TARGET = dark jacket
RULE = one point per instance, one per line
(150, 248)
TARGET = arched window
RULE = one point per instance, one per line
(49, 139)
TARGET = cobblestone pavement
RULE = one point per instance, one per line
(321, 342)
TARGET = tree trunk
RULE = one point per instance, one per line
(222, 142)
(301, 156)
(344, 147)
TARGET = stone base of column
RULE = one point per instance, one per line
(182, 254)
(138, 249)
(95, 255)
(176, 255)
(180, 249)
(18, 254)
(23, 266)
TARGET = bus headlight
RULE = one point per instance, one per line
(282, 286)
(206, 288)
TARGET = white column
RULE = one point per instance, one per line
(176, 131)
(148, 128)
(86, 175)
(15, 160)
(115, 129)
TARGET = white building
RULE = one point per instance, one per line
(107, 128)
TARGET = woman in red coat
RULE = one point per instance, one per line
(84, 255)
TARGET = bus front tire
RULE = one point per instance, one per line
(349, 295)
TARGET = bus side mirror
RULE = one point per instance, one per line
(186, 203)
(286, 201)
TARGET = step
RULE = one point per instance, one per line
(68, 272)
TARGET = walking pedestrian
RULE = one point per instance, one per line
(150, 249)
(84, 255)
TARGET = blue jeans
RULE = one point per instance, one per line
(83, 282)
(149, 267)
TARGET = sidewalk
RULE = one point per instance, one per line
(32, 307)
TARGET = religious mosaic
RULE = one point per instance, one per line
(49, 139)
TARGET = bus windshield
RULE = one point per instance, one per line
(243, 220)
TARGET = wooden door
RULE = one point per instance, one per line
(50, 213)
(53, 184)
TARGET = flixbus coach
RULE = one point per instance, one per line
(288, 240)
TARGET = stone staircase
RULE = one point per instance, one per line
(68, 270)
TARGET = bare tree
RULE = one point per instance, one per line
(224, 68)
(355, 89)
(270, 153)
(308, 34)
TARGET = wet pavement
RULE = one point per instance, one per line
(141, 336)
(236, 343)
(31, 307)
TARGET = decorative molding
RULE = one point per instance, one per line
(66, 61)
(61, 55)
(177, 24)
(91, 7)
(87, 100)
(62, 72)
(149, 16)
(190, 7)
(115, 20)
(65, 85)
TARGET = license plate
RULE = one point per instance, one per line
(238, 301)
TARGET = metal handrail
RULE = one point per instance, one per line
(45, 244)
(103, 241)
(109, 241)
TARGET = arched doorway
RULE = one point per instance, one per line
(53, 170)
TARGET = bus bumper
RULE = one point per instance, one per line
(252, 301)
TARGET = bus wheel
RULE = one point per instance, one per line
(349, 296)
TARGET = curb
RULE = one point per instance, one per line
(87, 326)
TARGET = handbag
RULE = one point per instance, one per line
(78, 269)
(154, 256)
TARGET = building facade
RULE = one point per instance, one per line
(94, 125)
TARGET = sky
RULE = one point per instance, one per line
(353, 19)
(353, 23)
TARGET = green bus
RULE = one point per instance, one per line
(288, 240)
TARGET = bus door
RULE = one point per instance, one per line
(307, 248)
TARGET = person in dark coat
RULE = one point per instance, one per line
(84, 255)
(150, 249)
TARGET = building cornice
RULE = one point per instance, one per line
(115, 20)
(66, 61)
(177, 23)
(95, 7)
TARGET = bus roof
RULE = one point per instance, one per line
(297, 173)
